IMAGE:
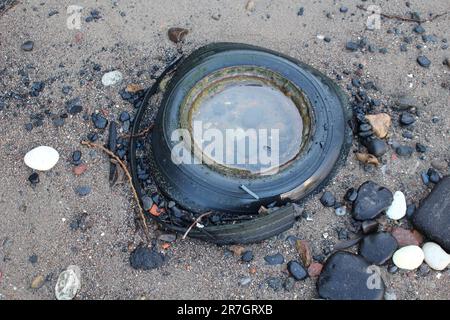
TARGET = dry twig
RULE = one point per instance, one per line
(200, 217)
(130, 179)
(139, 134)
(406, 19)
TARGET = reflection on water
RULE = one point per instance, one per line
(251, 105)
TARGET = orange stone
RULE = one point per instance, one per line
(80, 169)
(155, 211)
(315, 269)
(407, 237)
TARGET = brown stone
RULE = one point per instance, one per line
(407, 237)
(177, 34)
(237, 250)
(315, 269)
(304, 252)
(367, 158)
(380, 123)
(37, 282)
(133, 88)
(80, 169)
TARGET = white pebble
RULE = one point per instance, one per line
(397, 210)
(112, 78)
(41, 158)
(68, 283)
(408, 258)
(435, 256)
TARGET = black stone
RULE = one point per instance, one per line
(375, 146)
(433, 175)
(352, 46)
(28, 126)
(425, 178)
(351, 195)
(371, 201)
(34, 178)
(429, 38)
(33, 259)
(433, 215)
(27, 45)
(421, 148)
(100, 122)
(83, 190)
(327, 199)
(76, 157)
(343, 9)
(407, 119)
(274, 259)
(346, 276)
(419, 29)
(124, 116)
(247, 256)
(377, 248)
(404, 151)
(53, 12)
(145, 258)
(92, 136)
(410, 209)
(296, 270)
(74, 106)
(423, 61)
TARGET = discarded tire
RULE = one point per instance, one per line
(306, 164)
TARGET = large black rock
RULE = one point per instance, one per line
(347, 276)
(146, 259)
(371, 201)
(377, 248)
(433, 215)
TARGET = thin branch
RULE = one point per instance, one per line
(139, 134)
(195, 223)
(127, 173)
(406, 19)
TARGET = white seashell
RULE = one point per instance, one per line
(408, 258)
(68, 283)
(397, 210)
(112, 78)
(435, 256)
(41, 158)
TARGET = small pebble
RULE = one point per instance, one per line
(34, 178)
(247, 256)
(296, 270)
(274, 259)
(407, 119)
(397, 209)
(435, 256)
(423, 61)
(76, 157)
(27, 45)
(245, 281)
(112, 78)
(404, 151)
(433, 175)
(327, 199)
(351, 195)
(408, 258)
(83, 191)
